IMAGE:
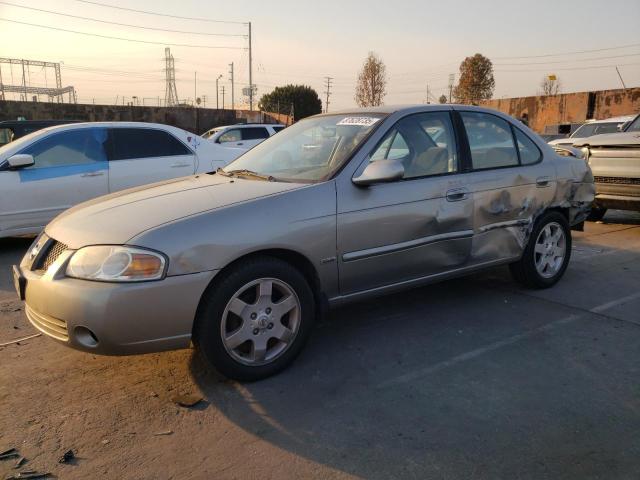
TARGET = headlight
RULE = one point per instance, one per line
(585, 153)
(110, 263)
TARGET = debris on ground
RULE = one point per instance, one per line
(187, 401)
(19, 462)
(11, 453)
(165, 432)
(18, 340)
(31, 474)
(67, 457)
(105, 441)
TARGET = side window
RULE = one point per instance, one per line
(6, 136)
(254, 133)
(529, 152)
(277, 129)
(75, 147)
(144, 143)
(424, 143)
(490, 141)
(233, 135)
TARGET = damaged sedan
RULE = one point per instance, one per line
(336, 208)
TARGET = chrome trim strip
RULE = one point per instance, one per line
(397, 247)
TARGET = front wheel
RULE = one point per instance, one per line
(255, 319)
(547, 253)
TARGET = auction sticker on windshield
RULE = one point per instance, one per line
(358, 121)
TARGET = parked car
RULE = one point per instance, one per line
(52, 169)
(336, 208)
(11, 130)
(615, 161)
(242, 136)
(597, 127)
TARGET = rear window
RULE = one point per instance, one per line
(254, 133)
(131, 143)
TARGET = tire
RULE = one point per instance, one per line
(596, 214)
(243, 331)
(540, 265)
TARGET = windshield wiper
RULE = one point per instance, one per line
(245, 173)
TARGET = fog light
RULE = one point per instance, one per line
(85, 337)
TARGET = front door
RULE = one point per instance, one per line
(145, 155)
(70, 167)
(415, 227)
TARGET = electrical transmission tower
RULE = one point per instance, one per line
(24, 89)
(171, 93)
(233, 104)
(452, 78)
(328, 92)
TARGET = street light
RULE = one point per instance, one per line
(219, 77)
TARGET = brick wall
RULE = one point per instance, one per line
(570, 107)
(197, 120)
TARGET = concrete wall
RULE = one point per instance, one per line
(570, 107)
(197, 120)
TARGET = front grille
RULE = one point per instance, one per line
(47, 324)
(617, 180)
(54, 250)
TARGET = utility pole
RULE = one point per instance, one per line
(217, 95)
(233, 105)
(621, 80)
(328, 92)
(428, 95)
(250, 71)
(452, 77)
(223, 97)
(195, 89)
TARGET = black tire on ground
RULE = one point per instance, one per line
(596, 214)
(524, 270)
(207, 335)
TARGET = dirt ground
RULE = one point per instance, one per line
(471, 378)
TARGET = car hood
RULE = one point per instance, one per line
(565, 141)
(116, 218)
(611, 140)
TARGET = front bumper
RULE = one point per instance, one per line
(112, 318)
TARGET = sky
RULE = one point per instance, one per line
(302, 42)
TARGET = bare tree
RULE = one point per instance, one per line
(550, 85)
(443, 99)
(476, 80)
(372, 82)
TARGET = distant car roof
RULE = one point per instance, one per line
(621, 119)
(16, 123)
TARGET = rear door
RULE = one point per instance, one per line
(145, 155)
(510, 183)
(70, 167)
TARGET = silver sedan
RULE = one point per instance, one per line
(338, 207)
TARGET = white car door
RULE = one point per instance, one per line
(70, 167)
(141, 155)
(244, 138)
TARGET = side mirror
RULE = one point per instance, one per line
(21, 160)
(380, 171)
(622, 126)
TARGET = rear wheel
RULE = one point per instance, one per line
(547, 253)
(596, 214)
(254, 321)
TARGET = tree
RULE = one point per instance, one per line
(372, 82)
(305, 101)
(443, 99)
(476, 80)
(550, 85)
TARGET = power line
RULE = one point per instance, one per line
(123, 24)
(570, 53)
(159, 14)
(571, 68)
(118, 38)
(566, 61)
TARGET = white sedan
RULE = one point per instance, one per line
(48, 171)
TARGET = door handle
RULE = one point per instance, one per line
(543, 181)
(457, 194)
(179, 165)
(92, 174)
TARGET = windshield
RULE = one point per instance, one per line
(634, 126)
(590, 129)
(309, 151)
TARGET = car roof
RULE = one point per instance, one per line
(247, 125)
(73, 126)
(620, 119)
